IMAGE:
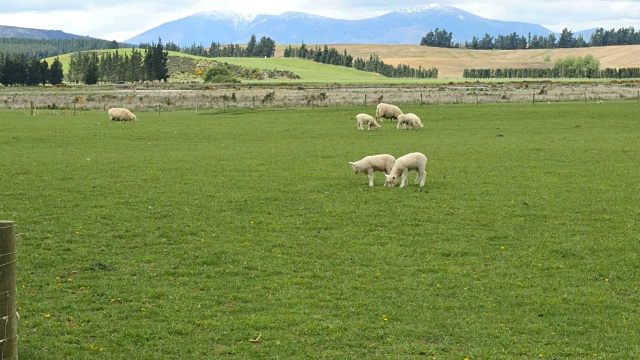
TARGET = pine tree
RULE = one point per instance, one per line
(251, 46)
(92, 71)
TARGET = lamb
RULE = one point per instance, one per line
(414, 161)
(387, 111)
(409, 121)
(369, 164)
(362, 119)
(121, 114)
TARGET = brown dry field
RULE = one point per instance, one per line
(452, 62)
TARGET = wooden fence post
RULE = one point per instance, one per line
(31, 107)
(8, 314)
(365, 100)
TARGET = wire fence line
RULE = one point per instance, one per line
(97, 102)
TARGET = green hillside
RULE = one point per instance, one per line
(309, 71)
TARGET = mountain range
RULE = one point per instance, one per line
(404, 26)
(29, 33)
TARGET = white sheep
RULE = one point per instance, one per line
(121, 114)
(409, 121)
(369, 164)
(362, 119)
(414, 161)
(387, 111)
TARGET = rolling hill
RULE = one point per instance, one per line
(450, 62)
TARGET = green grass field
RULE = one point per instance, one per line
(246, 235)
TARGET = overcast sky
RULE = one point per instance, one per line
(122, 19)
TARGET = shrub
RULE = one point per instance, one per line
(219, 74)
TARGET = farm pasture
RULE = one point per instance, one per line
(245, 234)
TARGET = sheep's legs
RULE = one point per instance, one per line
(404, 180)
(370, 174)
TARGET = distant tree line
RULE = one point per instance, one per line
(265, 48)
(327, 55)
(514, 41)
(44, 48)
(331, 56)
(568, 67)
(89, 68)
(543, 73)
(29, 71)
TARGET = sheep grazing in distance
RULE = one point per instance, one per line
(121, 114)
(387, 111)
(369, 164)
(362, 119)
(414, 161)
(409, 121)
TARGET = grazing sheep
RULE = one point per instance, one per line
(409, 121)
(414, 161)
(362, 119)
(387, 111)
(121, 114)
(369, 164)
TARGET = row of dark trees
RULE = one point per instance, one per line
(265, 48)
(568, 67)
(540, 73)
(375, 64)
(514, 41)
(44, 48)
(89, 68)
(29, 71)
(332, 56)
(326, 55)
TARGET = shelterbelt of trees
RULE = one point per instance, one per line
(514, 41)
(332, 56)
(89, 68)
(29, 70)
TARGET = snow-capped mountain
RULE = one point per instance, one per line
(403, 26)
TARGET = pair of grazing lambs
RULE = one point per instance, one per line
(393, 168)
(391, 112)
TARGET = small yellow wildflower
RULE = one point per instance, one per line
(501, 247)
(46, 316)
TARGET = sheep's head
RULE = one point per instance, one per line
(390, 180)
(374, 125)
(354, 167)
